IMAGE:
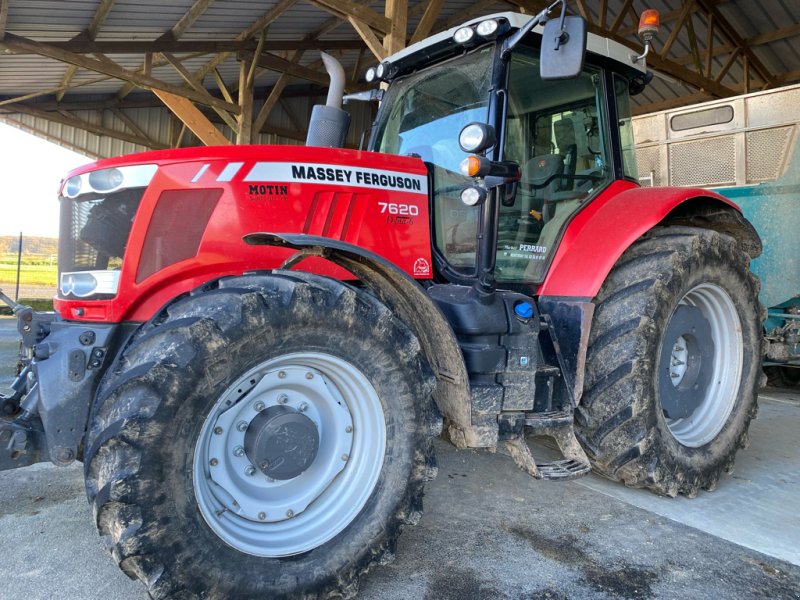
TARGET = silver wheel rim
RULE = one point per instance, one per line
(270, 518)
(710, 416)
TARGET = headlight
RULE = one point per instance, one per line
(104, 181)
(463, 35)
(486, 28)
(72, 187)
(88, 283)
(380, 70)
(370, 75)
(476, 137)
(473, 195)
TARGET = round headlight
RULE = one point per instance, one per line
(485, 28)
(380, 70)
(476, 137)
(370, 75)
(72, 187)
(473, 195)
(105, 180)
(463, 35)
(471, 137)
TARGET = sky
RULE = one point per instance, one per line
(31, 169)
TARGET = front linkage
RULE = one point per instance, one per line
(60, 365)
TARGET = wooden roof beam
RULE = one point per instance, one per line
(345, 9)
(724, 25)
(65, 118)
(90, 33)
(3, 17)
(397, 13)
(13, 42)
(187, 20)
(426, 22)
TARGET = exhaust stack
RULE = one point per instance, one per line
(329, 123)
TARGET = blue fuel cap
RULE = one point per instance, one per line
(524, 310)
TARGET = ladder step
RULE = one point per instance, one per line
(563, 469)
(548, 420)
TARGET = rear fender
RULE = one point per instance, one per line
(406, 298)
(599, 234)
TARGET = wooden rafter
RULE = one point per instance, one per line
(191, 116)
(348, 8)
(427, 20)
(368, 36)
(64, 118)
(84, 46)
(275, 93)
(397, 13)
(13, 42)
(3, 17)
(90, 33)
(189, 17)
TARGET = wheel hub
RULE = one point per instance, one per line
(686, 362)
(281, 442)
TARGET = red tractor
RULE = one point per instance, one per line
(254, 347)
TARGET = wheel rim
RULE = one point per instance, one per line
(270, 517)
(702, 356)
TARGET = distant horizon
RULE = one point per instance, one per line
(32, 168)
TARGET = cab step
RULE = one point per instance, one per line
(559, 426)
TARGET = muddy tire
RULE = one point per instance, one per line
(193, 483)
(674, 362)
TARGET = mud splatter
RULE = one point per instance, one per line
(620, 581)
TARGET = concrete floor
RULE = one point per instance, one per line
(489, 531)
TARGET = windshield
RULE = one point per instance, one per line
(422, 115)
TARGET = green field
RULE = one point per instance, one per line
(38, 274)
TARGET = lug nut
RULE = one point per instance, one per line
(238, 451)
(349, 429)
(309, 375)
(290, 513)
(283, 399)
(281, 374)
(258, 406)
(218, 430)
(345, 457)
(213, 462)
(262, 516)
(249, 470)
(241, 425)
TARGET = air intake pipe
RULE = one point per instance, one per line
(329, 123)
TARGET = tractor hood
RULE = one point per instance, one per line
(138, 230)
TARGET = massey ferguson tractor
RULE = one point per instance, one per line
(253, 347)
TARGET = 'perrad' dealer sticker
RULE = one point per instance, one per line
(338, 175)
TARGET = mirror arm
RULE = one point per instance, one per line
(540, 18)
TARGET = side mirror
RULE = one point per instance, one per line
(563, 48)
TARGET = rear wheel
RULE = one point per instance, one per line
(673, 366)
(266, 436)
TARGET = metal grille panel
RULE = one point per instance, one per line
(767, 153)
(649, 129)
(648, 165)
(703, 162)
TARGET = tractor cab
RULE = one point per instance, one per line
(559, 138)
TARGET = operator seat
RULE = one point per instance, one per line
(517, 223)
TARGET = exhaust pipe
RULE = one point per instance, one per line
(329, 123)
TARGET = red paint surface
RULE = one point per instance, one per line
(335, 210)
(601, 232)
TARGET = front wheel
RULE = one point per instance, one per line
(266, 436)
(674, 362)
